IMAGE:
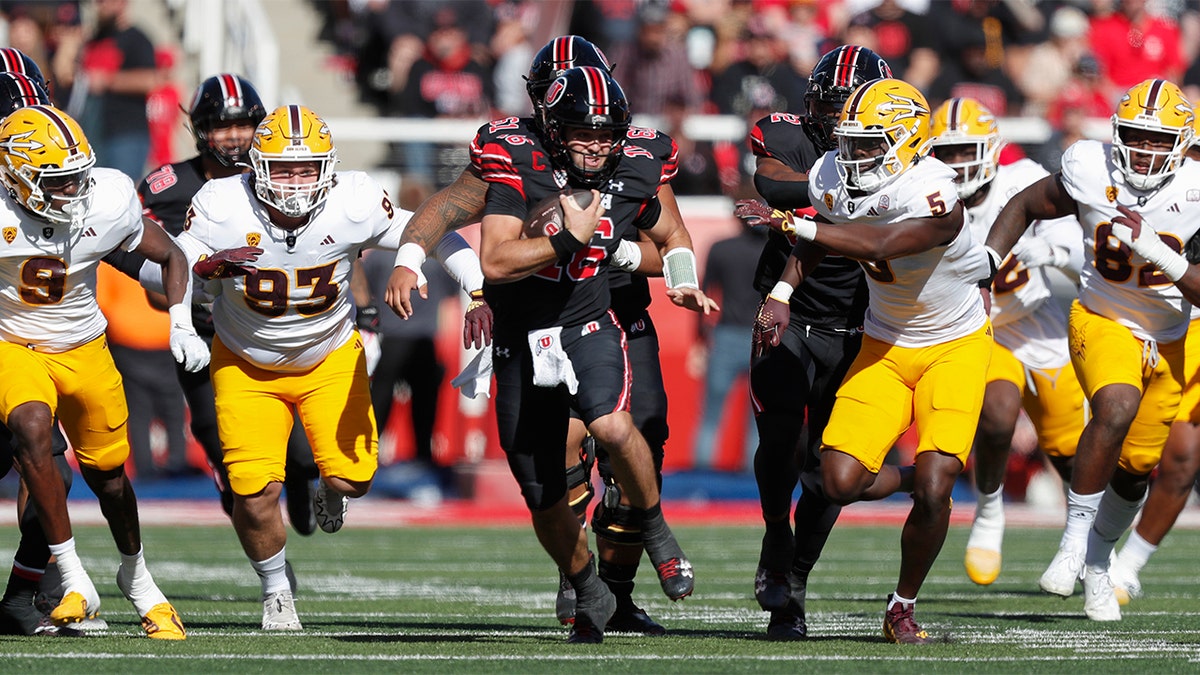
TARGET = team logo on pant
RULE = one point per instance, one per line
(252, 238)
(10, 234)
(590, 327)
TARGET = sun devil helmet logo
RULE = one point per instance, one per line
(19, 144)
(902, 107)
(253, 238)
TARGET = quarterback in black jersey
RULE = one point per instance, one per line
(793, 389)
(461, 203)
(224, 113)
(557, 345)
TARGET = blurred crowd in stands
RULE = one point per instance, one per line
(1061, 60)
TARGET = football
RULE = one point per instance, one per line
(546, 218)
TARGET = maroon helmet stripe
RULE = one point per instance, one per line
(1152, 96)
(852, 106)
(952, 117)
(294, 122)
(72, 143)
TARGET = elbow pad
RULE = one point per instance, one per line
(783, 194)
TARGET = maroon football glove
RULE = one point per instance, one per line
(755, 213)
(477, 324)
(772, 321)
(230, 262)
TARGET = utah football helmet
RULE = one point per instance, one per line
(558, 56)
(46, 163)
(17, 61)
(965, 121)
(18, 91)
(586, 98)
(882, 131)
(1156, 106)
(224, 98)
(837, 74)
(292, 133)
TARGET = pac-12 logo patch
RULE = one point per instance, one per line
(252, 238)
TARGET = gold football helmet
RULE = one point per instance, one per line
(46, 163)
(292, 134)
(967, 122)
(882, 131)
(1159, 107)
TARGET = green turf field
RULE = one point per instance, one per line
(481, 601)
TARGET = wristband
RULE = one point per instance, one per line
(181, 315)
(804, 227)
(566, 245)
(410, 256)
(782, 292)
(476, 294)
(679, 268)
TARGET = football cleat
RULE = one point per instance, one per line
(629, 618)
(162, 622)
(591, 615)
(788, 624)
(564, 601)
(1125, 582)
(20, 618)
(1099, 600)
(1064, 571)
(279, 612)
(983, 566)
(329, 507)
(900, 627)
(76, 605)
(772, 590)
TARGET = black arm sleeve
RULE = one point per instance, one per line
(126, 262)
(648, 217)
(783, 194)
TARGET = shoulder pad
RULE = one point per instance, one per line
(360, 195)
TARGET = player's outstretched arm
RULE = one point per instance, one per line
(780, 185)
(864, 241)
(1044, 200)
(454, 206)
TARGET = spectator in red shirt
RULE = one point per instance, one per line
(1133, 45)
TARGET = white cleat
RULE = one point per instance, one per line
(1099, 601)
(329, 507)
(1064, 571)
(1125, 582)
(279, 612)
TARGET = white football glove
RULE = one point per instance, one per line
(1037, 252)
(187, 347)
(1148, 244)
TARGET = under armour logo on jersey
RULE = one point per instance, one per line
(617, 185)
(1174, 208)
(90, 232)
(328, 240)
(500, 352)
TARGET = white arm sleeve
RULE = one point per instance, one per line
(459, 261)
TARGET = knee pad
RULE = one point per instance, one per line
(580, 476)
(615, 522)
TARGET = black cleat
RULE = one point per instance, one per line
(772, 590)
(584, 632)
(629, 618)
(21, 619)
(564, 602)
(788, 624)
(592, 612)
(675, 576)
